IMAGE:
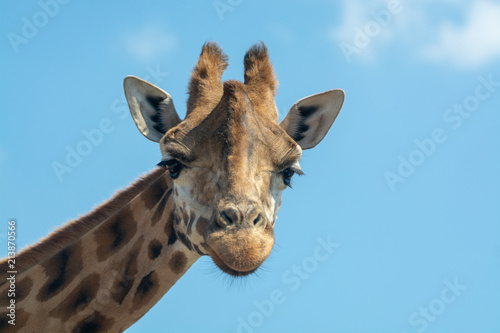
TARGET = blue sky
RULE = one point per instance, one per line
(405, 187)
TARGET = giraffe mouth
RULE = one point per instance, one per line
(239, 253)
(229, 270)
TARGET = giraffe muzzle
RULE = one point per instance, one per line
(239, 239)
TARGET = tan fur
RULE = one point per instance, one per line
(231, 143)
(205, 87)
(105, 270)
(107, 278)
(260, 79)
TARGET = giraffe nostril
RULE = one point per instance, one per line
(258, 219)
(226, 218)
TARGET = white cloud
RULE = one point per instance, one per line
(149, 41)
(354, 16)
(475, 43)
(368, 25)
(424, 28)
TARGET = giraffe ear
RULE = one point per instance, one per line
(310, 118)
(151, 107)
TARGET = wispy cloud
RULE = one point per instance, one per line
(354, 17)
(473, 44)
(425, 28)
(149, 41)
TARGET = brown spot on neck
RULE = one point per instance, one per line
(185, 240)
(154, 249)
(22, 289)
(95, 323)
(61, 269)
(146, 290)
(115, 233)
(125, 279)
(178, 262)
(160, 208)
(154, 193)
(21, 321)
(78, 299)
(201, 225)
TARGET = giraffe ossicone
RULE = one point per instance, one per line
(216, 192)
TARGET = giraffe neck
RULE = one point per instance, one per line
(109, 276)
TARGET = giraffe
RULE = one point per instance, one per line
(215, 192)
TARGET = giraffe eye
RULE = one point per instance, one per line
(174, 167)
(287, 176)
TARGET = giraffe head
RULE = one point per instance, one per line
(230, 158)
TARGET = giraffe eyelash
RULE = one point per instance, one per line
(162, 163)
